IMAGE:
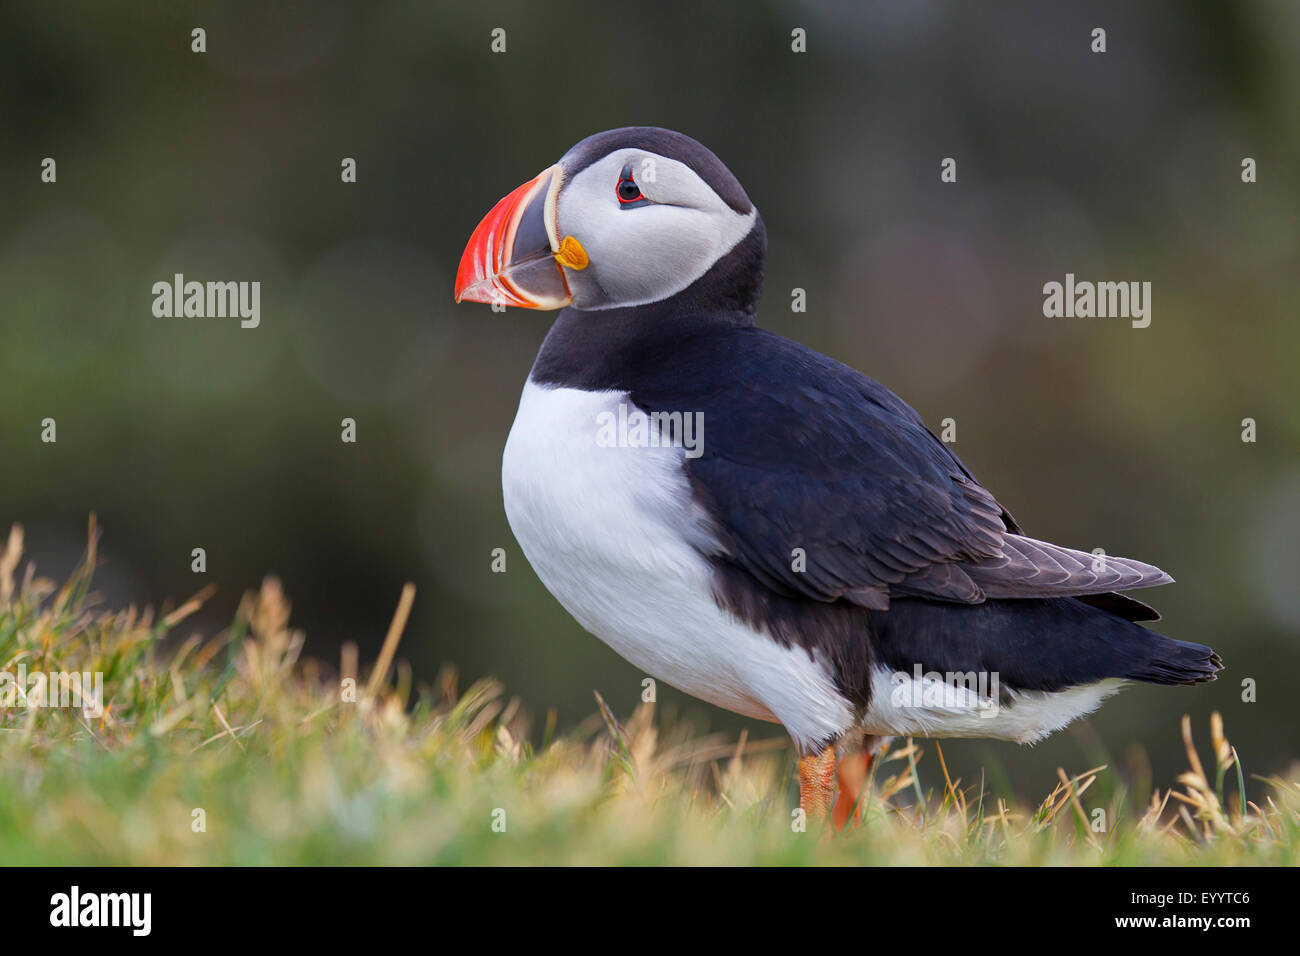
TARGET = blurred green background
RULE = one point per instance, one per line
(185, 433)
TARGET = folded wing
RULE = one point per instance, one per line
(822, 483)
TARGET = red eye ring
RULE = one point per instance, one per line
(627, 191)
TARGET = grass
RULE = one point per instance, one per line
(233, 750)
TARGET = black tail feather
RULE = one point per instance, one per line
(1033, 644)
(1181, 662)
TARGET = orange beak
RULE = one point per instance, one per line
(515, 256)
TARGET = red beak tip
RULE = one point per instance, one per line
(487, 272)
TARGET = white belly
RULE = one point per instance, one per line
(609, 532)
(931, 707)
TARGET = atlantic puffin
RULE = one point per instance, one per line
(774, 532)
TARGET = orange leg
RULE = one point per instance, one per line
(816, 782)
(854, 771)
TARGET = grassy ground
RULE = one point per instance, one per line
(232, 750)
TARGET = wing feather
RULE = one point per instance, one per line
(805, 455)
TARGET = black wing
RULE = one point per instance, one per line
(823, 483)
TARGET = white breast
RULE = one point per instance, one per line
(614, 534)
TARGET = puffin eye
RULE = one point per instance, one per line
(628, 192)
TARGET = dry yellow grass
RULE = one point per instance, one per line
(232, 749)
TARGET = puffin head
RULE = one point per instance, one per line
(626, 217)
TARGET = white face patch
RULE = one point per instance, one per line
(644, 253)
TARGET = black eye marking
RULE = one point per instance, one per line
(628, 192)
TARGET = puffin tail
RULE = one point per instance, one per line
(1139, 653)
(1040, 644)
(1177, 662)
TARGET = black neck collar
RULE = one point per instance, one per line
(600, 349)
